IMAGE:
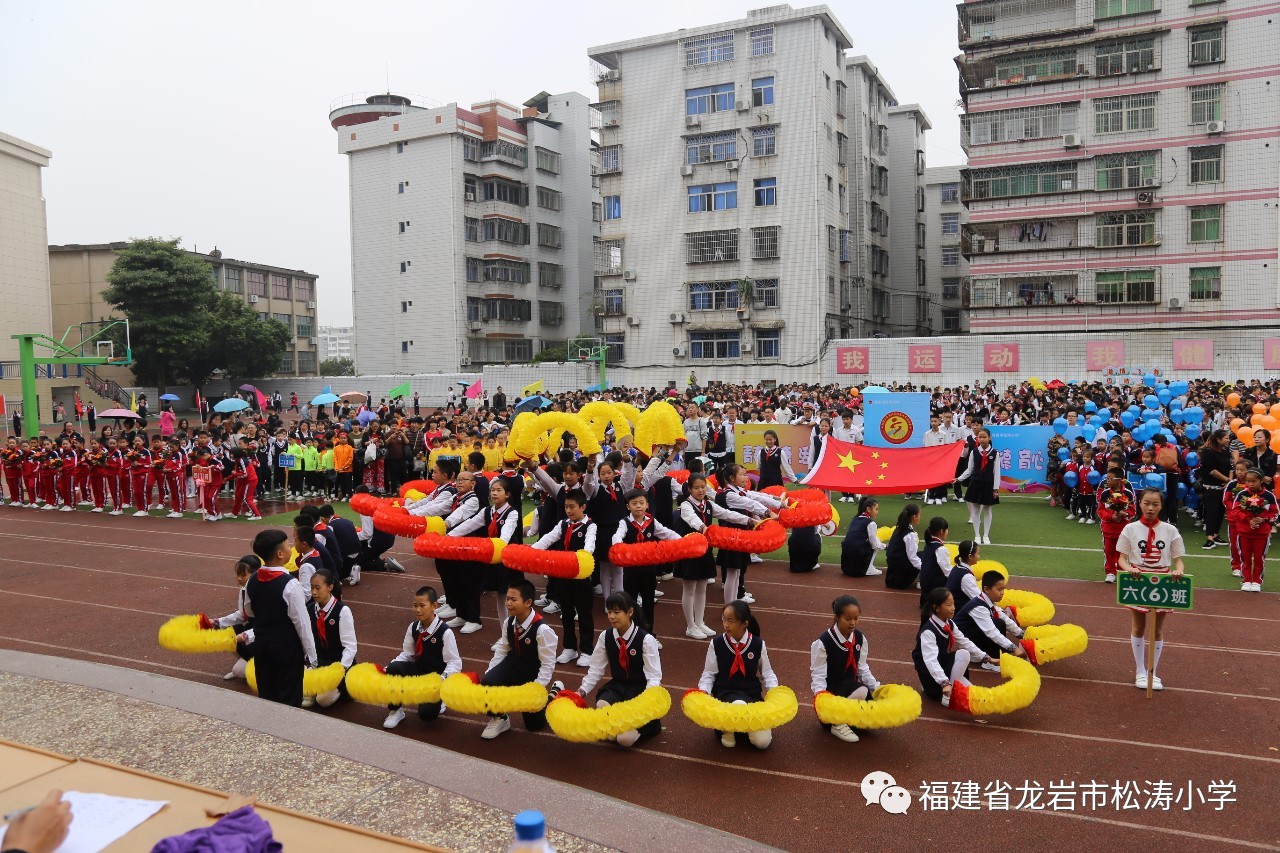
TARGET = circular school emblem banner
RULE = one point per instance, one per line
(896, 428)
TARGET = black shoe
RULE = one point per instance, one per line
(1209, 544)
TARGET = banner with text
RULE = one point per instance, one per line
(1023, 457)
(796, 441)
(896, 419)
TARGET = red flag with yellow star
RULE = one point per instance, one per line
(845, 467)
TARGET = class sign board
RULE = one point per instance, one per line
(287, 460)
(1155, 590)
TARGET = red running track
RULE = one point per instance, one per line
(115, 580)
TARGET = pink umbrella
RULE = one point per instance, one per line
(119, 413)
(354, 395)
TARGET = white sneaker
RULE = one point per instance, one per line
(756, 558)
(597, 590)
(67, 508)
(541, 601)
(567, 656)
(142, 513)
(845, 733)
(1246, 587)
(748, 598)
(1090, 521)
(456, 622)
(695, 632)
(126, 506)
(51, 506)
(96, 509)
(446, 613)
(727, 739)
(1082, 520)
(231, 515)
(113, 512)
(174, 515)
(990, 666)
(657, 593)
(230, 676)
(873, 572)
(1110, 578)
(471, 628)
(1236, 573)
(496, 726)
(584, 659)
(393, 719)
(628, 738)
(1156, 683)
(707, 633)
(1141, 681)
(308, 701)
(986, 540)
(85, 503)
(551, 608)
(1071, 516)
(666, 577)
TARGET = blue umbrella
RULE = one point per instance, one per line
(366, 417)
(232, 404)
(169, 397)
(532, 404)
(324, 399)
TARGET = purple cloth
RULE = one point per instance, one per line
(241, 831)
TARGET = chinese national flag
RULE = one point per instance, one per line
(845, 467)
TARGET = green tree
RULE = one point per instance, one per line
(241, 343)
(337, 367)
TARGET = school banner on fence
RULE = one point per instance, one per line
(1024, 457)
(896, 419)
(749, 441)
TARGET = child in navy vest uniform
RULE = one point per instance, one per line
(960, 582)
(310, 558)
(239, 618)
(429, 646)
(902, 557)
(335, 633)
(838, 661)
(606, 490)
(695, 516)
(282, 639)
(576, 533)
(775, 467)
(862, 541)
(569, 476)
(935, 563)
(737, 668)
(983, 621)
(664, 495)
(630, 653)
(942, 653)
(501, 520)
(525, 652)
(641, 582)
(463, 582)
(982, 492)
(756, 506)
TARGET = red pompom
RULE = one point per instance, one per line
(424, 486)
(658, 552)
(775, 491)
(814, 495)
(820, 693)
(769, 536)
(366, 504)
(1030, 647)
(474, 676)
(381, 669)
(960, 698)
(805, 514)
(206, 624)
(693, 690)
(395, 520)
(681, 476)
(466, 549)
(553, 564)
(572, 697)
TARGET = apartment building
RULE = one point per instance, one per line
(1122, 163)
(334, 342)
(471, 229)
(946, 267)
(909, 311)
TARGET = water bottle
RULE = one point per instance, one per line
(531, 834)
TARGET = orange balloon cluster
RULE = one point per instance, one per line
(1233, 399)
(367, 504)
(424, 486)
(804, 513)
(767, 536)
(658, 552)
(395, 520)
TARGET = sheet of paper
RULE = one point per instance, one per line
(98, 820)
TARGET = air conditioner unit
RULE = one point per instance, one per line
(311, 306)
(743, 106)
(1145, 197)
(680, 351)
(979, 245)
(469, 195)
(1070, 140)
(692, 121)
(1175, 304)
(744, 313)
(613, 74)
(1150, 182)
(731, 165)
(475, 325)
(628, 275)
(1215, 127)
(613, 122)
(253, 299)
(464, 361)
(312, 341)
(633, 321)
(686, 170)
(677, 318)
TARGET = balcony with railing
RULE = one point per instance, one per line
(1048, 291)
(1039, 235)
(994, 21)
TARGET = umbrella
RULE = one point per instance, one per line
(366, 417)
(119, 413)
(354, 395)
(169, 397)
(247, 387)
(532, 404)
(232, 404)
(324, 399)
(700, 399)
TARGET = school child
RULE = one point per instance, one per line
(475, 464)
(737, 668)
(175, 470)
(555, 481)
(838, 661)
(282, 640)
(983, 621)
(66, 475)
(630, 653)
(1149, 545)
(139, 461)
(641, 582)
(695, 515)
(328, 475)
(1117, 506)
(756, 506)
(960, 581)
(205, 471)
(31, 473)
(115, 477)
(343, 466)
(239, 619)
(525, 652)
(1086, 502)
(942, 654)
(12, 466)
(80, 482)
(499, 520)
(577, 532)
(1071, 494)
(50, 462)
(429, 646)
(1234, 487)
(774, 462)
(335, 632)
(311, 469)
(861, 541)
(982, 490)
(309, 559)
(804, 547)
(330, 557)
(244, 477)
(1252, 515)
(96, 460)
(607, 506)
(374, 543)
(294, 481)
(935, 563)
(902, 553)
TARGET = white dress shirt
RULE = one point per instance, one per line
(689, 512)
(477, 521)
(555, 536)
(546, 639)
(296, 604)
(929, 649)
(600, 660)
(818, 662)
(711, 667)
(409, 650)
(346, 630)
(658, 529)
(982, 618)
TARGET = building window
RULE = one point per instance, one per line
(303, 325)
(597, 211)
(1125, 113)
(711, 148)
(549, 236)
(612, 207)
(950, 256)
(765, 293)
(513, 272)
(404, 346)
(475, 269)
(404, 307)
(400, 147)
(512, 310)
(708, 197)
(471, 229)
(713, 295)
(1013, 125)
(286, 363)
(1030, 67)
(549, 199)
(550, 275)
(831, 238)
(951, 288)
(304, 289)
(950, 321)
(764, 141)
(1206, 164)
(231, 280)
(1206, 103)
(707, 247)
(501, 149)
(403, 226)
(1123, 286)
(1125, 171)
(550, 313)
(608, 256)
(768, 343)
(1208, 44)
(1120, 57)
(715, 345)
(471, 148)
(615, 347)
(306, 362)
(496, 189)
(762, 91)
(1206, 283)
(707, 50)
(505, 231)
(1116, 8)
(286, 319)
(846, 246)
(762, 41)
(548, 161)
(257, 283)
(400, 188)
(610, 159)
(1030, 179)
(764, 242)
(708, 99)
(766, 192)
(613, 302)
(1206, 223)
(949, 193)
(1127, 228)
(950, 223)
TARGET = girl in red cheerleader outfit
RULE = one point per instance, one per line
(1117, 506)
(1252, 515)
(245, 475)
(50, 463)
(12, 464)
(80, 481)
(175, 470)
(1234, 487)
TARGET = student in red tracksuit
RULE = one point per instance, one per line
(175, 474)
(95, 460)
(139, 466)
(115, 477)
(1234, 487)
(218, 462)
(11, 462)
(50, 465)
(31, 473)
(1117, 506)
(80, 482)
(155, 475)
(67, 475)
(1252, 515)
(245, 475)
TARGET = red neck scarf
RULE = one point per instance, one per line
(623, 660)
(985, 457)
(569, 528)
(851, 661)
(321, 630)
(739, 666)
(417, 643)
(946, 629)
(1149, 556)
(268, 573)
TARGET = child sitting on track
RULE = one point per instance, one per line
(838, 661)
(630, 653)
(238, 618)
(737, 666)
(525, 652)
(429, 646)
(942, 653)
(983, 621)
(903, 558)
(861, 541)
(334, 629)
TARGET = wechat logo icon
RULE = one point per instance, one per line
(880, 787)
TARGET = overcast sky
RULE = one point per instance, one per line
(208, 121)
